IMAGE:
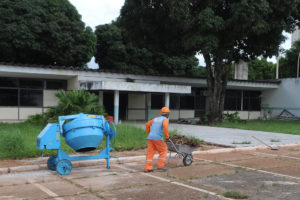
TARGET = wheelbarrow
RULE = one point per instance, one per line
(181, 150)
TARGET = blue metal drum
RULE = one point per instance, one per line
(84, 133)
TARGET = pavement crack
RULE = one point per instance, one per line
(88, 190)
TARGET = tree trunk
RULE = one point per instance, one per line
(217, 77)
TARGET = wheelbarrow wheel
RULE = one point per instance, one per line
(188, 160)
(64, 167)
(51, 163)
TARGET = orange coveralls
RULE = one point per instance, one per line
(157, 145)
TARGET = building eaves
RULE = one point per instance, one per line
(277, 81)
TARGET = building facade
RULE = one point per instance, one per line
(28, 90)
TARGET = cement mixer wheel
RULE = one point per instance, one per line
(64, 167)
(51, 163)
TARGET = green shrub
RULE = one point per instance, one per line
(234, 117)
(69, 103)
(37, 119)
(235, 195)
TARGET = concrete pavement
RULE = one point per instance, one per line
(259, 174)
(230, 136)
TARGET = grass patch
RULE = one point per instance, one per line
(289, 127)
(18, 140)
(235, 195)
(244, 142)
(274, 140)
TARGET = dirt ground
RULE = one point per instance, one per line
(256, 174)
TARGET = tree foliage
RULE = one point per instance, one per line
(261, 69)
(114, 51)
(44, 32)
(288, 64)
(223, 31)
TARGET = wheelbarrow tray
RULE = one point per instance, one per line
(180, 148)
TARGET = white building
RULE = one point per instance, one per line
(27, 89)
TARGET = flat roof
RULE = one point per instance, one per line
(87, 74)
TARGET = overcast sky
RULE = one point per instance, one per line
(96, 12)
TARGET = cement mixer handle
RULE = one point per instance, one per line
(108, 130)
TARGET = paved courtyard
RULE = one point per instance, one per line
(259, 174)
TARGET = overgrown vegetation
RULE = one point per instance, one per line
(70, 102)
(19, 140)
(290, 127)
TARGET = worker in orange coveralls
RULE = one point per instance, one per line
(156, 128)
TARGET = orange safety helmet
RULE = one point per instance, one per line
(165, 110)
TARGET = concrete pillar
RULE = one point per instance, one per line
(116, 106)
(242, 100)
(277, 67)
(167, 100)
(73, 83)
(148, 97)
(100, 94)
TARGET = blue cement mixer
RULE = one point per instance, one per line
(82, 132)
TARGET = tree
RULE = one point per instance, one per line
(114, 51)
(223, 31)
(261, 69)
(48, 32)
(288, 64)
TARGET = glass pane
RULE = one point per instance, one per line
(174, 101)
(8, 82)
(8, 97)
(30, 97)
(187, 102)
(157, 101)
(252, 100)
(56, 84)
(31, 83)
(232, 100)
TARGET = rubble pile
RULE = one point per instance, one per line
(181, 139)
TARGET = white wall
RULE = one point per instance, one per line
(287, 96)
(136, 106)
(175, 114)
(8, 113)
(248, 115)
(186, 114)
(25, 112)
(49, 98)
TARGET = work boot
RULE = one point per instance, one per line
(163, 169)
(148, 171)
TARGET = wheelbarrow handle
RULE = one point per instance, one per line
(173, 145)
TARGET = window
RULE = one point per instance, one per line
(31, 83)
(29, 97)
(251, 100)
(8, 97)
(187, 102)
(232, 100)
(8, 82)
(56, 84)
(174, 101)
(157, 101)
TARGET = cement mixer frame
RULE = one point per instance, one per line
(50, 138)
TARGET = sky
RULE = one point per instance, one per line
(97, 12)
